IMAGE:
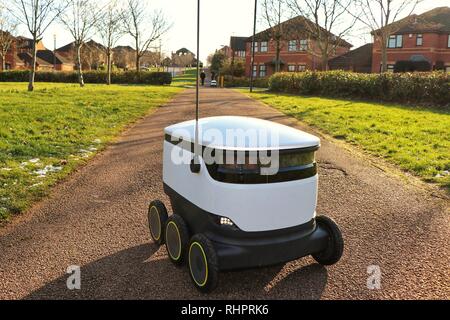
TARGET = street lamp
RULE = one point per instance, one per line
(159, 52)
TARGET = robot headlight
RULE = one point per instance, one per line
(226, 222)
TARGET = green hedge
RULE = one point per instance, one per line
(237, 82)
(118, 77)
(431, 88)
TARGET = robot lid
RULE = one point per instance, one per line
(242, 134)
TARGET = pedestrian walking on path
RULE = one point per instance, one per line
(203, 77)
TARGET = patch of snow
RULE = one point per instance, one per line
(32, 161)
(97, 141)
(6, 169)
(42, 173)
(85, 153)
(36, 185)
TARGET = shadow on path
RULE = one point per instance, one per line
(144, 272)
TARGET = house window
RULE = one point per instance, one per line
(255, 46)
(292, 45)
(264, 46)
(291, 68)
(302, 68)
(448, 41)
(395, 41)
(255, 71)
(241, 54)
(419, 40)
(262, 70)
(390, 68)
(303, 45)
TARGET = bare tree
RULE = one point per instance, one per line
(273, 15)
(79, 18)
(135, 21)
(109, 29)
(37, 15)
(8, 27)
(124, 57)
(92, 55)
(379, 16)
(327, 22)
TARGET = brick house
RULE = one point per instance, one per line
(20, 57)
(124, 57)
(357, 60)
(92, 55)
(20, 52)
(299, 50)
(183, 58)
(226, 51)
(9, 58)
(238, 47)
(421, 39)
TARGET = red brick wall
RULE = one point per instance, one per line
(434, 48)
(10, 56)
(298, 58)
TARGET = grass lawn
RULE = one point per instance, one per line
(44, 135)
(415, 139)
(187, 79)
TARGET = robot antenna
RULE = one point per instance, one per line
(195, 164)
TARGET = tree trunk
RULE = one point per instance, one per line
(3, 57)
(138, 63)
(33, 66)
(109, 67)
(138, 58)
(278, 62)
(383, 54)
(232, 67)
(79, 66)
(324, 62)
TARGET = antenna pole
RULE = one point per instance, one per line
(195, 164)
(253, 47)
(198, 69)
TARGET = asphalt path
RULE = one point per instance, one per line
(97, 220)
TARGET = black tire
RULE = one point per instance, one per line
(333, 253)
(177, 239)
(157, 218)
(203, 264)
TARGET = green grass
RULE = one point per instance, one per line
(415, 139)
(186, 79)
(46, 134)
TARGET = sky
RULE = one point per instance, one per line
(220, 19)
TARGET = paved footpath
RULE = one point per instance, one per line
(97, 220)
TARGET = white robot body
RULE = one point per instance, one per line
(252, 207)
